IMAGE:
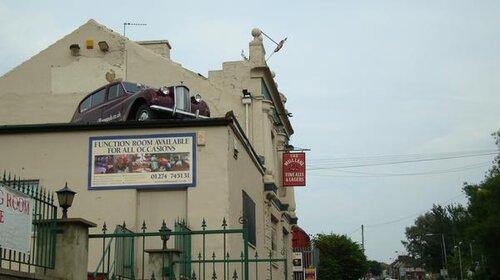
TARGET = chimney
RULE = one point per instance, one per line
(161, 47)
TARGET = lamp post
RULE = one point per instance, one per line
(460, 260)
(470, 247)
(65, 197)
(165, 235)
(444, 259)
(444, 251)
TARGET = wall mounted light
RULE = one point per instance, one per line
(89, 43)
(247, 97)
(75, 49)
(103, 46)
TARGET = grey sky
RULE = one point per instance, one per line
(362, 78)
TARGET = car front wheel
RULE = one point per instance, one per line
(144, 113)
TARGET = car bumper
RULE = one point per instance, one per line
(178, 111)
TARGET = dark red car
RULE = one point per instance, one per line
(123, 101)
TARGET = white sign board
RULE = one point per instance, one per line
(297, 262)
(142, 161)
(15, 220)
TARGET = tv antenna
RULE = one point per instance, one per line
(278, 45)
(130, 23)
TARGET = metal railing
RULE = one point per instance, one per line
(43, 234)
(178, 262)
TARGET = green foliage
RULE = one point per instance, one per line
(474, 229)
(340, 258)
(484, 208)
(425, 238)
(375, 268)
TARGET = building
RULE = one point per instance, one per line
(405, 267)
(300, 238)
(234, 157)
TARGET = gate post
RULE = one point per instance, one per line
(72, 249)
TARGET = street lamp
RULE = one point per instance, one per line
(460, 260)
(470, 247)
(165, 235)
(445, 261)
(65, 197)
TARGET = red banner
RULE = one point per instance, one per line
(294, 169)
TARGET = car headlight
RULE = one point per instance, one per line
(197, 98)
(164, 90)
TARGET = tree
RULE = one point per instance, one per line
(375, 268)
(472, 233)
(484, 231)
(425, 238)
(340, 258)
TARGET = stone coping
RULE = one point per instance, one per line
(80, 221)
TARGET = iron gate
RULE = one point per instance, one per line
(43, 234)
(182, 261)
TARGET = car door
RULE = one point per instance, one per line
(113, 109)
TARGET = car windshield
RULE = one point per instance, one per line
(133, 87)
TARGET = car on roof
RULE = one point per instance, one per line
(125, 101)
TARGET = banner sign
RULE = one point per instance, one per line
(297, 262)
(310, 274)
(294, 169)
(15, 220)
(142, 161)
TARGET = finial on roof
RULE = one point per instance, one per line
(257, 34)
(257, 52)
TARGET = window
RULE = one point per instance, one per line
(132, 88)
(85, 105)
(249, 216)
(98, 97)
(265, 90)
(93, 100)
(114, 91)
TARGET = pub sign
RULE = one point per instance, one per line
(294, 169)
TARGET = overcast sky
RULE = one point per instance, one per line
(368, 83)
